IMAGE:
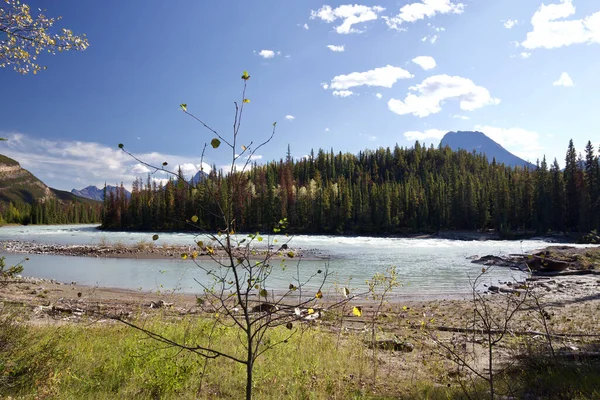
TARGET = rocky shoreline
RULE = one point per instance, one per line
(142, 250)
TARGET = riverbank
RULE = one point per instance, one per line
(92, 351)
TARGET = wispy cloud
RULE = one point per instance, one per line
(383, 77)
(424, 135)
(424, 9)
(290, 117)
(511, 23)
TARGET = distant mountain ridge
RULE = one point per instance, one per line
(94, 193)
(18, 184)
(478, 141)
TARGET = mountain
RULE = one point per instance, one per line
(93, 193)
(199, 177)
(17, 184)
(478, 141)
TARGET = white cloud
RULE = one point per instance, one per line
(140, 169)
(427, 134)
(75, 164)
(509, 24)
(343, 93)
(564, 80)
(525, 55)
(521, 142)
(425, 62)
(290, 117)
(305, 26)
(432, 39)
(335, 48)
(552, 30)
(458, 116)
(326, 129)
(349, 14)
(383, 77)
(266, 54)
(424, 9)
(435, 90)
(378, 95)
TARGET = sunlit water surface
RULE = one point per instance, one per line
(426, 267)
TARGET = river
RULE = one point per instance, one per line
(426, 267)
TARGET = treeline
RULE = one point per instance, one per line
(386, 191)
(49, 211)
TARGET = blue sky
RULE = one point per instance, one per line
(351, 76)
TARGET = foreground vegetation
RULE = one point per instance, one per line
(100, 359)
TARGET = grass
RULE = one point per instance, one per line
(109, 361)
(102, 360)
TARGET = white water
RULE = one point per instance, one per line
(425, 266)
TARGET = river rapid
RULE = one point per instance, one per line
(426, 267)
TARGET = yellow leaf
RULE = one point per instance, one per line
(200, 243)
(194, 218)
(405, 308)
(319, 294)
(184, 256)
(311, 311)
(357, 311)
(246, 100)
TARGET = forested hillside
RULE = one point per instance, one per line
(386, 191)
(24, 199)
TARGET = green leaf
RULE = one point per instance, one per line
(245, 76)
(275, 123)
(263, 292)
(183, 107)
(292, 287)
(194, 218)
(215, 143)
(2, 139)
(120, 145)
(154, 237)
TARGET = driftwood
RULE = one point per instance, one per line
(392, 344)
(515, 333)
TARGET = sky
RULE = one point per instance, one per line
(342, 75)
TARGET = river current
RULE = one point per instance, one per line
(426, 267)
